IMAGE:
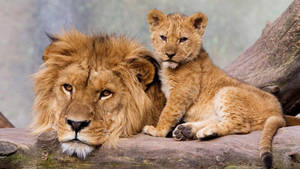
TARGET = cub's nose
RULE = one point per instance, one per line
(170, 55)
(77, 125)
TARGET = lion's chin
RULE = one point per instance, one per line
(81, 150)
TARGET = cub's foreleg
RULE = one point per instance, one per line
(177, 104)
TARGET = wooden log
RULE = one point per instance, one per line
(273, 61)
(4, 123)
(142, 151)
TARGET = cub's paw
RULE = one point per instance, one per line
(152, 131)
(182, 132)
(207, 133)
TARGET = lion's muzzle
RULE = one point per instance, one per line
(77, 125)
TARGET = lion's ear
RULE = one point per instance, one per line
(145, 68)
(198, 21)
(50, 47)
(57, 46)
(155, 17)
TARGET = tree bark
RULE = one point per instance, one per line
(273, 61)
(4, 123)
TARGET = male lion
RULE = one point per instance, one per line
(94, 89)
(209, 101)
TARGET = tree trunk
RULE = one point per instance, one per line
(4, 123)
(273, 61)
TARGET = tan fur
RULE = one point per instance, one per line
(209, 101)
(92, 64)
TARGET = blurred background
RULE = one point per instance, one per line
(233, 25)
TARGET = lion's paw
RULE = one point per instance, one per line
(182, 132)
(152, 131)
(207, 133)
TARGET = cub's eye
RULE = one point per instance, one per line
(183, 39)
(105, 94)
(164, 38)
(68, 87)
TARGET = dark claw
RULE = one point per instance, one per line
(183, 132)
(176, 132)
(187, 132)
(180, 127)
(179, 136)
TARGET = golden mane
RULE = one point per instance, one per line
(89, 64)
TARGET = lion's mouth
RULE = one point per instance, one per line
(170, 60)
(76, 146)
(76, 140)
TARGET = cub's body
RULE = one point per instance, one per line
(218, 97)
(210, 102)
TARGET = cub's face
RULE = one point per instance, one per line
(176, 38)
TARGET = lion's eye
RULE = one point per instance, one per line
(105, 94)
(164, 38)
(183, 39)
(68, 87)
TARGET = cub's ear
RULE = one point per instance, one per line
(155, 17)
(198, 21)
(145, 68)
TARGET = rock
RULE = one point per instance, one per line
(142, 151)
(7, 148)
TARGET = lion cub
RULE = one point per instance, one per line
(209, 101)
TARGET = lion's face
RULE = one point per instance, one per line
(94, 90)
(90, 103)
(176, 38)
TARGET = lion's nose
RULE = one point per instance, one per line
(77, 125)
(170, 55)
